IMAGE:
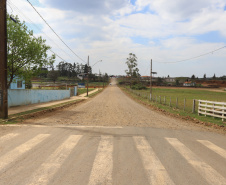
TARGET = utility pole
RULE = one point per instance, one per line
(151, 80)
(88, 77)
(3, 61)
(103, 81)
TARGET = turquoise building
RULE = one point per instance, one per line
(17, 83)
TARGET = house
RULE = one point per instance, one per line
(17, 83)
(170, 79)
(189, 84)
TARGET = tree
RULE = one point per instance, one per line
(193, 77)
(159, 81)
(132, 63)
(204, 76)
(27, 55)
(132, 70)
(214, 76)
(53, 75)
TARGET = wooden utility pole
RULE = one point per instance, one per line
(3, 61)
(88, 77)
(151, 80)
(103, 81)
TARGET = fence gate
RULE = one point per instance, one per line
(211, 108)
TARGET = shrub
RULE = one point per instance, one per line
(138, 87)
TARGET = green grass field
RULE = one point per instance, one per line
(181, 94)
(189, 94)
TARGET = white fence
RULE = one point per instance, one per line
(211, 108)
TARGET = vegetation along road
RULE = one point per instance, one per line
(111, 139)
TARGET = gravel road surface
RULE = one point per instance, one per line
(110, 139)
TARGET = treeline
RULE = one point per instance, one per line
(75, 71)
(72, 70)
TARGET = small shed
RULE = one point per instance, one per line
(17, 83)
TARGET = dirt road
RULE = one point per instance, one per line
(113, 108)
(110, 139)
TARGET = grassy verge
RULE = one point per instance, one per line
(94, 94)
(84, 90)
(182, 95)
(14, 118)
(177, 112)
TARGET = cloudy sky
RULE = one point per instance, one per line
(108, 30)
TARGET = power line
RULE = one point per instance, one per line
(49, 49)
(195, 56)
(18, 11)
(55, 32)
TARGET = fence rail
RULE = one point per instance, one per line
(211, 108)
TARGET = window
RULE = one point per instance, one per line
(19, 84)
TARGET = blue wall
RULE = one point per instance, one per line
(27, 96)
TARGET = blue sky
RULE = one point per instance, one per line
(162, 30)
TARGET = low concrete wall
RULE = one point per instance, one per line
(26, 97)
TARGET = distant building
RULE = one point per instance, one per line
(170, 79)
(17, 83)
(147, 78)
(189, 84)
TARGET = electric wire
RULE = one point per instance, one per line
(25, 17)
(49, 49)
(211, 52)
(54, 31)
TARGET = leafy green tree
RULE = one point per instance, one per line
(53, 75)
(159, 81)
(193, 77)
(214, 76)
(177, 82)
(27, 55)
(131, 62)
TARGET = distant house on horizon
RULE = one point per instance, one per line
(189, 84)
(170, 79)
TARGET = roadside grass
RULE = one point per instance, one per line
(181, 94)
(190, 95)
(97, 83)
(94, 94)
(84, 90)
(13, 119)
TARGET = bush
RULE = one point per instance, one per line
(138, 87)
(122, 83)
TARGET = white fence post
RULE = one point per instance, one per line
(223, 113)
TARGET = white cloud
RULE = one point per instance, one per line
(104, 29)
